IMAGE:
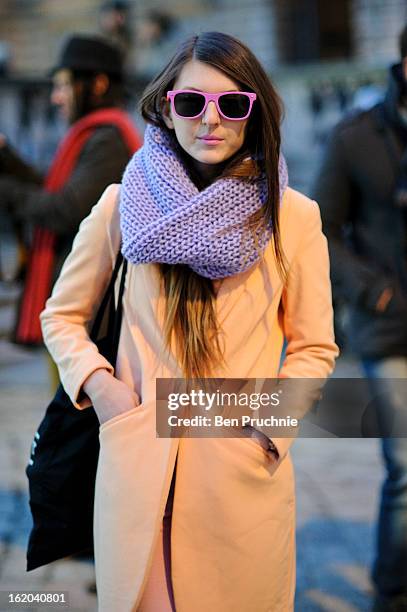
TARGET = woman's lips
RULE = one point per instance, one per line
(210, 140)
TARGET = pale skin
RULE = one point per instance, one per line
(206, 159)
(110, 396)
(63, 94)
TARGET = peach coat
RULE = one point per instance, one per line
(233, 523)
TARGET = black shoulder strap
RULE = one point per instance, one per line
(117, 323)
(108, 301)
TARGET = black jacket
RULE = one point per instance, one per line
(101, 162)
(366, 229)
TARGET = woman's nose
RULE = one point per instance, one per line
(211, 115)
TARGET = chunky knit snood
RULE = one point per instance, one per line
(165, 218)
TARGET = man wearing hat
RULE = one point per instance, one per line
(88, 90)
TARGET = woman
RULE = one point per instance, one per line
(225, 262)
(88, 90)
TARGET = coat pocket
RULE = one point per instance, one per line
(252, 460)
(255, 447)
(120, 417)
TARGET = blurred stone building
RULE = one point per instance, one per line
(279, 31)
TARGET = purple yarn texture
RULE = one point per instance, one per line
(165, 218)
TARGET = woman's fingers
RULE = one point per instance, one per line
(115, 398)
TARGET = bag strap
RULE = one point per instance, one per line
(117, 322)
(107, 296)
(115, 310)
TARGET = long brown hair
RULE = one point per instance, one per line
(190, 314)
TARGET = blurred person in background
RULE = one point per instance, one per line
(88, 85)
(157, 36)
(362, 191)
(114, 26)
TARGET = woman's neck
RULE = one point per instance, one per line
(204, 174)
(207, 173)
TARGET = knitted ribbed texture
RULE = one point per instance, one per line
(165, 218)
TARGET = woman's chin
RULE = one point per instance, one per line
(209, 157)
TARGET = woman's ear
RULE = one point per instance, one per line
(166, 113)
(100, 85)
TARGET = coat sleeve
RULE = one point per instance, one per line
(307, 318)
(307, 306)
(101, 163)
(77, 294)
(354, 278)
(14, 165)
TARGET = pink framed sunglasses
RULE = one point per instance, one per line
(191, 104)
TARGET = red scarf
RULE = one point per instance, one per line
(38, 282)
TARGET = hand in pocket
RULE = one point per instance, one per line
(109, 396)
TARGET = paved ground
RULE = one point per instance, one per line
(24, 394)
(337, 483)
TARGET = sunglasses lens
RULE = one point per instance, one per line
(234, 106)
(188, 104)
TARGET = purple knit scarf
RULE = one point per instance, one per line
(165, 218)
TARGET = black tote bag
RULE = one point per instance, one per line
(64, 455)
